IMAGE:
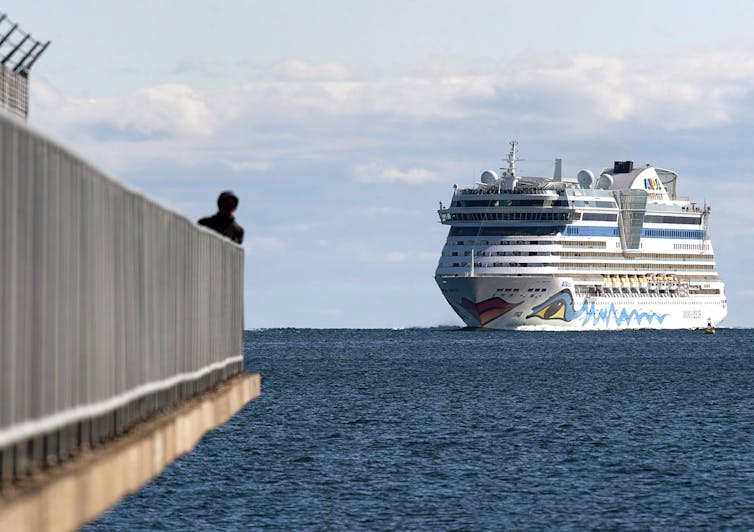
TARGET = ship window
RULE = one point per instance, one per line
(687, 220)
(599, 216)
(504, 231)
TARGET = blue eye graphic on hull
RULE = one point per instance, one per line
(561, 307)
(558, 307)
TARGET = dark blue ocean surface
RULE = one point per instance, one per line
(461, 430)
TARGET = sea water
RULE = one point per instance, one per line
(443, 429)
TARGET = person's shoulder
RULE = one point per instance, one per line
(206, 220)
(238, 232)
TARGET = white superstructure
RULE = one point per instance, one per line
(615, 251)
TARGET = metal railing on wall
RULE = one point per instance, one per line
(18, 53)
(14, 92)
(112, 307)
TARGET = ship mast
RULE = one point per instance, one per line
(511, 159)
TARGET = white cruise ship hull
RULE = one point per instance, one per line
(544, 302)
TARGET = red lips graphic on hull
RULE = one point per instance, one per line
(489, 309)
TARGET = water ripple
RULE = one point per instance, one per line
(456, 430)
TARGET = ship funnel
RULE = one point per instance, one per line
(558, 173)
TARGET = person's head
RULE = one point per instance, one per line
(227, 202)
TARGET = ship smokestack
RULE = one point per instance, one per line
(557, 174)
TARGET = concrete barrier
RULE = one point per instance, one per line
(112, 306)
(74, 493)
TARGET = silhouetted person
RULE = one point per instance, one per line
(223, 222)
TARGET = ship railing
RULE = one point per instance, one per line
(495, 190)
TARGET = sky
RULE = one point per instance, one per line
(342, 124)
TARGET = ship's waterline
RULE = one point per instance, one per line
(618, 252)
(548, 304)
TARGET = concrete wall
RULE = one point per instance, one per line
(70, 496)
(112, 306)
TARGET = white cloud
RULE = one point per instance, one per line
(196, 65)
(259, 244)
(302, 227)
(299, 70)
(382, 211)
(668, 91)
(161, 111)
(384, 256)
(170, 108)
(377, 172)
(249, 166)
(368, 255)
(310, 111)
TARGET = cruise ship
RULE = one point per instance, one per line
(619, 250)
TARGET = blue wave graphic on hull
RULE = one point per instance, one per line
(560, 307)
